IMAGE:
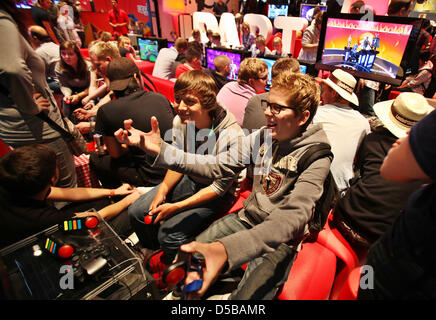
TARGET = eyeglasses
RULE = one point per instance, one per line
(188, 101)
(275, 108)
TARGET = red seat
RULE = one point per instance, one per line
(333, 240)
(84, 52)
(166, 87)
(312, 274)
(4, 148)
(393, 94)
(351, 286)
(145, 66)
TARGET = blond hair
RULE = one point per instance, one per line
(301, 91)
(104, 49)
(251, 68)
(105, 36)
(277, 40)
(122, 40)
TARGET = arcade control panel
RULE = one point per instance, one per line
(103, 266)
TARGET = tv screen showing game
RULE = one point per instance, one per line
(379, 7)
(28, 4)
(270, 62)
(170, 44)
(235, 57)
(275, 10)
(381, 50)
(306, 10)
(149, 48)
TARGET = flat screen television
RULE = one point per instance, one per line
(306, 10)
(382, 50)
(275, 10)
(170, 44)
(270, 60)
(28, 4)
(149, 48)
(235, 56)
(308, 67)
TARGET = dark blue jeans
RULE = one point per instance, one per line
(178, 228)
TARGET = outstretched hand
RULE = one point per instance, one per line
(150, 142)
(215, 256)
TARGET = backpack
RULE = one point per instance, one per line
(330, 192)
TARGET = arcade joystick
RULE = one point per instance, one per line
(149, 219)
(91, 222)
(177, 272)
(65, 251)
(72, 224)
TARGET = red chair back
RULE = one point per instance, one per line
(312, 274)
(3, 148)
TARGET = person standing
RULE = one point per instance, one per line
(25, 95)
(48, 51)
(220, 7)
(118, 20)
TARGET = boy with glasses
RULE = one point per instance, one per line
(282, 200)
(252, 79)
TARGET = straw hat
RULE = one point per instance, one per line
(343, 83)
(399, 115)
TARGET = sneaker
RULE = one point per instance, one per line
(173, 295)
(225, 296)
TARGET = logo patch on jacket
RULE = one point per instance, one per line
(271, 183)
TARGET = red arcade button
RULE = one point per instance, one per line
(148, 219)
(91, 222)
(65, 251)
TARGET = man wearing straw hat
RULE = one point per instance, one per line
(372, 203)
(402, 259)
(345, 127)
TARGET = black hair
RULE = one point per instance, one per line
(27, 170)
(396, 6)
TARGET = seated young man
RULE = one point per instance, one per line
(221, 72)
(282, 201)
(27, 178)
(403, 257)
(123, 163)
(185, 204)
(193, 58)
(253, 115)
(252, 79)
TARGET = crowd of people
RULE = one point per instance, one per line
(183, 163)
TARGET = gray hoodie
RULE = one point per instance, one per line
(281, 203)
(210, 141)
